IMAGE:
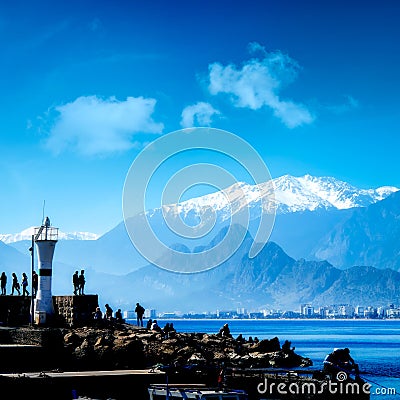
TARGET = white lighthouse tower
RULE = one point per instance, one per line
(45, 238)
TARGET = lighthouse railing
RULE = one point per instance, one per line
(46, 233)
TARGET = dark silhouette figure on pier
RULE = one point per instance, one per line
(24, 283)
(15, 284)
(225, 331)
(286, 347)
(109, 313)
(35, 283)
(75, 282)
(149, 322)
(156, 328)
(82, 282)
(3, 280)
(340, 360)
(139, 310)
(118, 316)
(97, 315)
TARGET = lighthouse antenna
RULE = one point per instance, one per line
(44, 203)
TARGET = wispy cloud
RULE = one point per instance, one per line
(349, 104)
(258, 82)
(199, 114)
(95, 126)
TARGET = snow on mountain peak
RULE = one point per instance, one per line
(292, 194)
(26, 234)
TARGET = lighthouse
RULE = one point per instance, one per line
(45, 238)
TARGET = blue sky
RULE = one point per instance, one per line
(313, 86)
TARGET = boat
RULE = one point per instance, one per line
(194, 391)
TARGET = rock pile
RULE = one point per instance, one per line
(122, 346)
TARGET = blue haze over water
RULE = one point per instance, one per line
(374, 344)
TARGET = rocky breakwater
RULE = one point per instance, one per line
(123, 346)
(120, 346)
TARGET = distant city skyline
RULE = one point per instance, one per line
(312, 87)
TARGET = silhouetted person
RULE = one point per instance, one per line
(139, 310)
(109, 312)
(15, 284)
(240, 339)
(82, 282)
(24, 283)
(340, 360)
(3, 283)
(155, 327)
(286, 347)
(225, 331)
(75, 282)
(149, 322)
(35, 283)
(166, 331)
(118, 316)
(98, 315)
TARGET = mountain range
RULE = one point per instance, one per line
(347, 235)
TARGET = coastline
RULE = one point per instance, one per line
(270, 319)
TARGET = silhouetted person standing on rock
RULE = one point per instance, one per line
(24, 285)
(15, 284)
(139, 310)
(35, 283)
(109, 312)
(3, 280)
(75, 282)
(82, 282)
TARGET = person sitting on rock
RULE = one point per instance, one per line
(240, 339)
(340, 360)
(118, 316)
(97, 315)
(109, 313)
(149, 322)
(155, 327)
(225, 331)
(286, 347)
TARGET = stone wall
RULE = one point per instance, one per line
(74, 311)
(15, 310)
(70, 311)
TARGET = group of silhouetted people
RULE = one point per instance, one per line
(78, 281)
(165, 332)
(98, 315)
(16, 286)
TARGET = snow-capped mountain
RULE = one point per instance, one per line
(287, 194)
(310, 193)
(27, 235)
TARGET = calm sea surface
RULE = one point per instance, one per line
(374, 344)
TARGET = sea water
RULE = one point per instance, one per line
(374, 344)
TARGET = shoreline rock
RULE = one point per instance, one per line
(124, 346)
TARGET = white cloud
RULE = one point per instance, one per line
(257, 83)
(91, 125)
(201, 112)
